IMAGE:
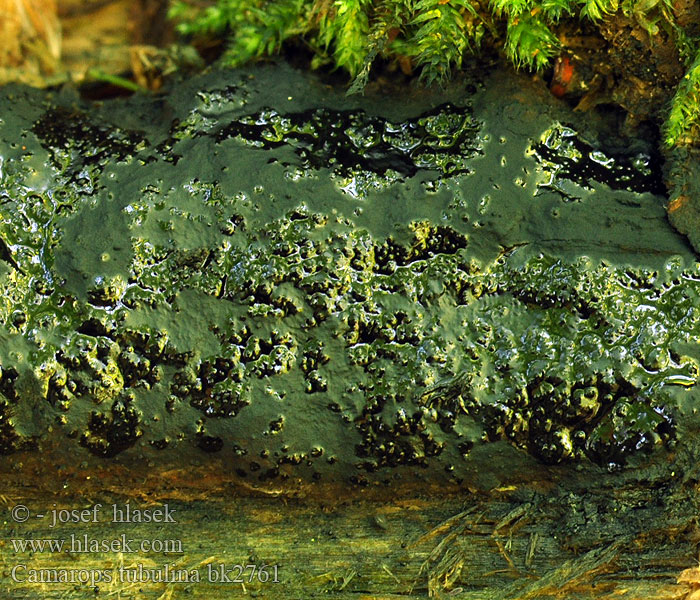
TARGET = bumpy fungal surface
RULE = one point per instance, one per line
(337, 289)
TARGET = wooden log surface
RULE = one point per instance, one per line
(402, 549)
(571, 536)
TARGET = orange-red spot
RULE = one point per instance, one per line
(563, 72)
(677, 203)
(558, 90)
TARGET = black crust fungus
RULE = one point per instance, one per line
(333, 291)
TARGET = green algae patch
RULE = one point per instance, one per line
(329, 289)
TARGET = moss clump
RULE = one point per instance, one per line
(684, 118)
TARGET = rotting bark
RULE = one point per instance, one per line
(579, 539)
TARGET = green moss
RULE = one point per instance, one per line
(597, 9)
(444, 32)
(435, 33)
(682, 124)
(529, 42)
